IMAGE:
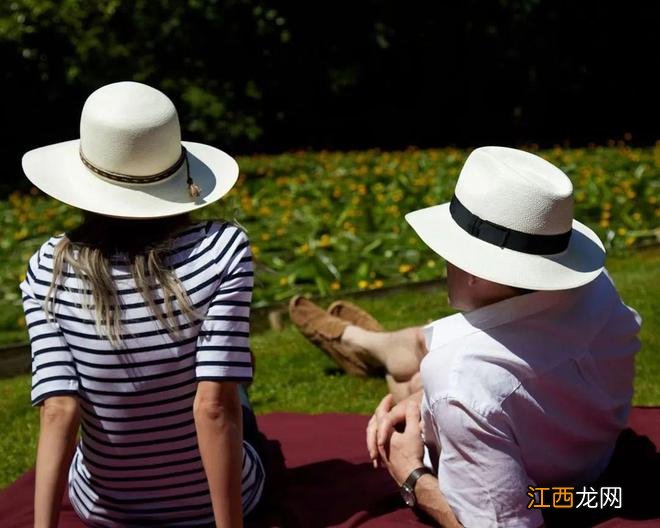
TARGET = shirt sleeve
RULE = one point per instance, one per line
(223, 350)
(480, 470)
(53, 367)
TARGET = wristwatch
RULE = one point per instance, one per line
(408, 487)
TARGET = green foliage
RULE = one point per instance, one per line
(19, 424)
(189, 49)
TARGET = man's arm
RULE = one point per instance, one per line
(475, 455)
(431, 500)
(403, 455)
(481, 472)
(59, 421)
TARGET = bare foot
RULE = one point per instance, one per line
(399, 352)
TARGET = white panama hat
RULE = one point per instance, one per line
(130, 161)
(511, 222)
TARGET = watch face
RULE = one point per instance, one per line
(408, 495)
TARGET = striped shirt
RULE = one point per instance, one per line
(137, 462)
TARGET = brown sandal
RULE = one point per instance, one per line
(325, 330)
(355, 315)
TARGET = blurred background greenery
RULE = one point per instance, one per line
(267, 76)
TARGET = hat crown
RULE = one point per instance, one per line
(130, 128)
(517, 190)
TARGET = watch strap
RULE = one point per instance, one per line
(414, 477)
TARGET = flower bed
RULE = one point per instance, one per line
(329, 222)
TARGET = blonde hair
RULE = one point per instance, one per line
(145, 242)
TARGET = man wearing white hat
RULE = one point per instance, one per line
(532, 384)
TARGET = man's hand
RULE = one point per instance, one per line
(381, 425)
(402, 451)
(405, 450)
(384, 422)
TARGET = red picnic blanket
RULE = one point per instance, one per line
(323, 478)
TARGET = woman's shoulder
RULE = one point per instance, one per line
(215, 239)
(225, 232)
(45, 251)
(39, 266)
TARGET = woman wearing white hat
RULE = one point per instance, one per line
(531, 385)
(139, 325)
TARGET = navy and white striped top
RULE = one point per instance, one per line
(138, 463)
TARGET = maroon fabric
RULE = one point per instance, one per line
(327, 481)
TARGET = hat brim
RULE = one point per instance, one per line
(579, 264)
(59, 172)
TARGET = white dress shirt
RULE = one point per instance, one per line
(532, 390)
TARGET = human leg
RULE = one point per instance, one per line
(400, 352)
(400, 390)
(357, 342)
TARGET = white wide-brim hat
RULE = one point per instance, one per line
(511, 222)
(130, 161)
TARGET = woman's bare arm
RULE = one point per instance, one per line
(218, 420)
(59, 418)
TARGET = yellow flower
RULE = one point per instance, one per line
(21, 322)
(255, 250)
(604, 223)
(621, 231)
(376, 284)
(324, 241)
(431, 263)
(304, 248)
(363, 284)
(335, 286)
(630, 241)
(265, 236)
(405, 268)
(280, 231)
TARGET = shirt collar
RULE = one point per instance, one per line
(449, 328)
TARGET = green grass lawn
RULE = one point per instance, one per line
(292, 375)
